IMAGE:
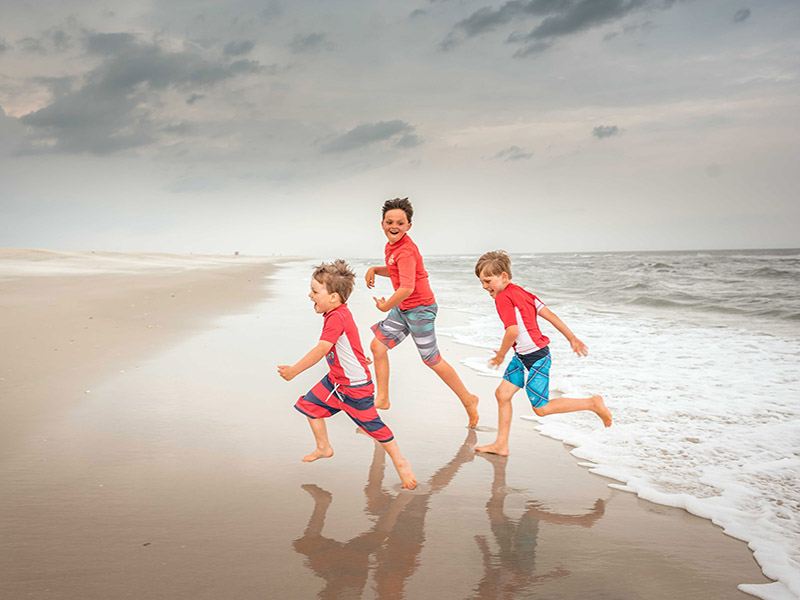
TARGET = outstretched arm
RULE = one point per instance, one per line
(508, 341)
(309, 360)
(578, 347)
(372, 271)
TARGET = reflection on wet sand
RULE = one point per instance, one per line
(511, 570)
(390, 549)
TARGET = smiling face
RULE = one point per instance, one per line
(395, 225)
(494, 284)
(323, 300)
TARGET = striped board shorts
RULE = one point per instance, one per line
(417, 321)
(537, 382)
(358, 401)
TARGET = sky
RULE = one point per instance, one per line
(277, 127)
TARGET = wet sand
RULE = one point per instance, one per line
(179, 476)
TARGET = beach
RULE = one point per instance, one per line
(149, 449)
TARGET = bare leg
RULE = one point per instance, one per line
(565, 405)
(505, 391)
(380, 356)
(470, 401)
(401, 464)
(320, 431)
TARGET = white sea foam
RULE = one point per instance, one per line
(706, 415)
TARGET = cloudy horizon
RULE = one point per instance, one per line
(279, 128)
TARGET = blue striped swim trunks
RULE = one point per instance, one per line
(417, 321)
(537, 382)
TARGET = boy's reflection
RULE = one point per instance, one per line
(397, 537)
(510, 570)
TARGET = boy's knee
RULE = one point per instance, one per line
(541, 411)
(502, 397)
(378, 347)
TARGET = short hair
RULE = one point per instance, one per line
(493, 263)
(401, 203)
(337, 277)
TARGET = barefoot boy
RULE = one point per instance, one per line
(412, 308)
(518, 310)
(348, 385)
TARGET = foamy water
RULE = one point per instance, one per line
(697, 357)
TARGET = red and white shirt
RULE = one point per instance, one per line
(519, 307)
(346, 360)
(407, 271)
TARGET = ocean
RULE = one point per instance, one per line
(697, 354)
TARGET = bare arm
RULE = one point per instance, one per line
(372, 271)
(309, 360)
(508, 341)
(386, 305)
(578, 347)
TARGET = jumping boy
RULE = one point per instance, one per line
(348, 385)
(518, 310)
(412, 308)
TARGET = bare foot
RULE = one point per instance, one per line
(406, 474)
(318, 453)
(601, 410)
(499, 449)
(472, 410)
(381, 403)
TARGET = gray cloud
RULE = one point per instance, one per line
(604, 131)
(55, 39)
(108, 43)
(741, 15)
(558, 18)
(238, 48)
(108, 113)
(513, 153)
(532, 49)
(194, 98)
(409, 140)
(312, 42)
(417, 13)
(3, 46)
(370, 133)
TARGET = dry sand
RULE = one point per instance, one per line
(178, 475)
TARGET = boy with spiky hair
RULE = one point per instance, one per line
(412, 308)
(348, 385)
(518, 309)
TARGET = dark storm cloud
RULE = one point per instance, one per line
(741, 15)
(370, 133)
(312, 42)
(604, 131)
(513, 153)
(107, 113)
(557, 18)
(238, 48)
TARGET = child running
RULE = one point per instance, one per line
(348, 385)
(518, 310)
(412, 308)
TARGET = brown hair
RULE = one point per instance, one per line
(401, 203)
(337, 277)
(493, 263)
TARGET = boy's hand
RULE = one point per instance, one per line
(578, 347)
(497, 359)
(381, 304)
(287, 372)
(370, 277)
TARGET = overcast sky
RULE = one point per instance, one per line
(279, 126)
